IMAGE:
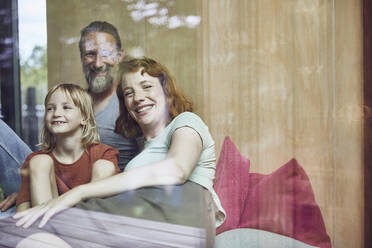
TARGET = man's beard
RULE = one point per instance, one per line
(99, 84)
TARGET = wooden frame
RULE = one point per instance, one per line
(367, 91)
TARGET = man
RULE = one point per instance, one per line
(100, 52)
(13, 151)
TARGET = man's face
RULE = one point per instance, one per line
(99, 57)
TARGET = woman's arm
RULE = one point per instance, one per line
(182, 157)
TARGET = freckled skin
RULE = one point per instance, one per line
(146, 101)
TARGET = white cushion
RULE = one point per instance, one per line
(253, 238)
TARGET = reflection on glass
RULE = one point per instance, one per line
(157, 14)
(33, 62)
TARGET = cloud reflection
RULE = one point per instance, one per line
(32, 26)
(158, 15)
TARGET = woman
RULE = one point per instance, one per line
(178, 148)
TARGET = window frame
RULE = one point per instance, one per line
(9, 66)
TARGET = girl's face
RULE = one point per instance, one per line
(145, 100)
(62, 116)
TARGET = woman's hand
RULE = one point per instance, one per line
(48, 209)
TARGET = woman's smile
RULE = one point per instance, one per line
(144, 108)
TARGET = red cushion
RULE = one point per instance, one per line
(283, 202)
(231, 184)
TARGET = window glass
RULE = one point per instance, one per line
(273, 75)
(33, 66)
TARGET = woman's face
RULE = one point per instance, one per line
(145, 100)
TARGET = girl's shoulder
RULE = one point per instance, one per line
(99, 147)
(105, 152)
(98, 151)
(33, 154)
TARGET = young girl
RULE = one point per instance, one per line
(70, 153)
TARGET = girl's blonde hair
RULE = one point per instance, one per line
(83, 101)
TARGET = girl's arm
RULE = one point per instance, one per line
(102, 169)
(23, 206)
(9, 201)
(182, 157)
(43, 186)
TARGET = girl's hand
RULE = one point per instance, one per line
(47, 209)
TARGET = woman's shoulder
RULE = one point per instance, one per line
(187, 117)
(192, 120)
(187, 114)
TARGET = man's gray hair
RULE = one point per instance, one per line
(99, 26)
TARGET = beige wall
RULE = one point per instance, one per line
(283, 78)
